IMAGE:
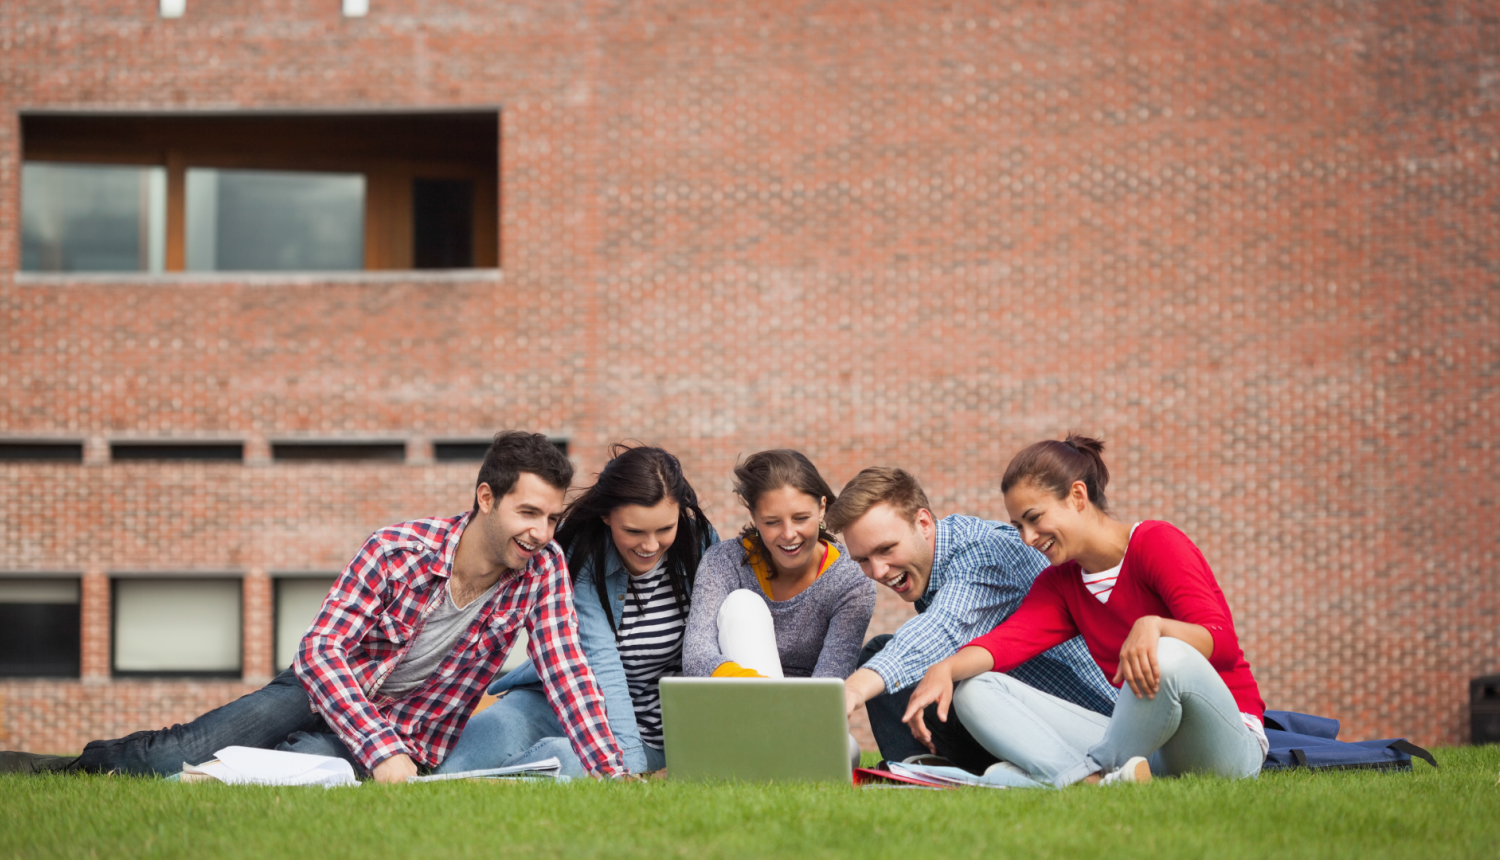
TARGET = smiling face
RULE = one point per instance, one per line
(1056, 527)
(892, 550)
(643, 535)
(787, 520)
(517, 525)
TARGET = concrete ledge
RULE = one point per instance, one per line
(256, 279)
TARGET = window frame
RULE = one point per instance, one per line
(179, 140)
(116, 577)
(75, 577)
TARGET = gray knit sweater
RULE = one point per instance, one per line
(818, 633)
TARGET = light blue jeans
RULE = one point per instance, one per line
(1192, 725)
(518, 729)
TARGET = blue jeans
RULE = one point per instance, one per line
(277, 716)
(518, 729)
(952, 739)
(1193, 724)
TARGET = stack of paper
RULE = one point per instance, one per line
(937, 776)
(250, 766)
(548, 768)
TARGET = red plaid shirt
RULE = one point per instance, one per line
(373, 615)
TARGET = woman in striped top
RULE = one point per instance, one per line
(641, 525)
(1151, 612)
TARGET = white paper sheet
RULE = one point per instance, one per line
(250, 766)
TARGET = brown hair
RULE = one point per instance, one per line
(765, 471)
(873, 486)
(515, 451)
(1054, 466)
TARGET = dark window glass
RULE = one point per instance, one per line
(455, 450)
(61, 452)
(39, 628)
(269, 220)
(442, 214)
(447, 452)
(392, 452)
(222, 451)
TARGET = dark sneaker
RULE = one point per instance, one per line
(20, 762)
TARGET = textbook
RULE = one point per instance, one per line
(547, 768)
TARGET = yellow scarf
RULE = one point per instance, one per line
(762, 566)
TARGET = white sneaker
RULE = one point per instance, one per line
(1136, 769)
(1006, 767)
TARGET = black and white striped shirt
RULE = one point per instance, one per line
(650, 644)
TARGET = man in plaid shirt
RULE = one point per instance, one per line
(406, 641)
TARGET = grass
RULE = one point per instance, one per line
(1452, 812)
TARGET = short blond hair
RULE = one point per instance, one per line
(873, 486)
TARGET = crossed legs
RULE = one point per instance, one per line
(1192, 725)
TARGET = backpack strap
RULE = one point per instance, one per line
(1409, 748)
(1300, 757)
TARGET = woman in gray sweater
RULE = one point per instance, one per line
(783, 600)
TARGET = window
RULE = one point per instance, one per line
(211, 451)
(177, 626)
(298, 599)
(57, 452)
(39, 627)
(388, 452)
(270, 220)
(259, 191)
(92, 218)
(468, 450)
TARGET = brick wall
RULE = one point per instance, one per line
(1251, 244)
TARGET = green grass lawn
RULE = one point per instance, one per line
(1452, 812)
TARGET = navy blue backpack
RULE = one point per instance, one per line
(1303, 740)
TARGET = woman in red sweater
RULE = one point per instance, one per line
(1147, 605)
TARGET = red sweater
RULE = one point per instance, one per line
(1163, 574)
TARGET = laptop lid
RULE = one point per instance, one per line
(755, 729)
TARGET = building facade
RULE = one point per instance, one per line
(270, 272)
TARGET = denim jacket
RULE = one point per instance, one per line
(598, 639)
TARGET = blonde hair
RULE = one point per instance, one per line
(873, 486)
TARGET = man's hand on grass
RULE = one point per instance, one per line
(397, 768)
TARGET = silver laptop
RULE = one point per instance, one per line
(755, 729)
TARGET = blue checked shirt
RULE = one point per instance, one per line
(980, 572)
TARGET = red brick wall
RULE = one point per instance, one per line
(1251, 244)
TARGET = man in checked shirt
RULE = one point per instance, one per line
(406, 641)
(965, 576)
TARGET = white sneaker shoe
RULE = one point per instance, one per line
(1136, 769)
(1007, 767)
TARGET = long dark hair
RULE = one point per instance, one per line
(765, 471)
(634, 476)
